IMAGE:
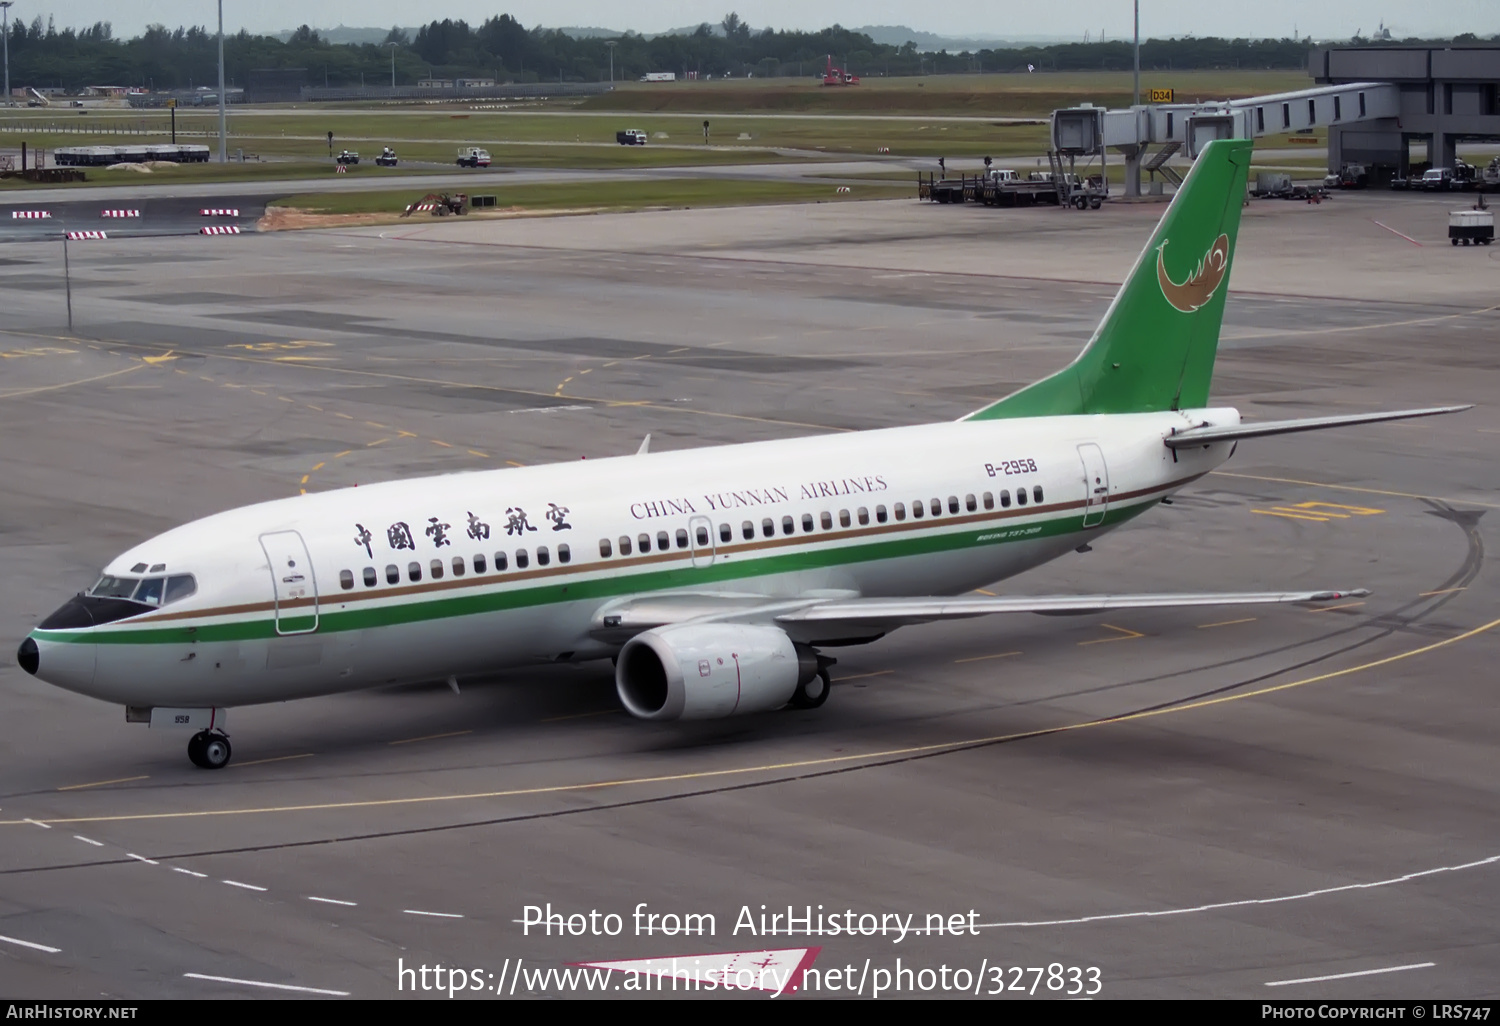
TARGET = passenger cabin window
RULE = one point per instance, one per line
(564, 554)
(970, 503)
(937, 507)
(392, 574)
(1020, 496)
(702, 535)
(953, 504)
(726, 533)
(826, 519)
(989, 500)
(748, 530)
(644, 541)
(370, 577)
(522, 560)
(437, 569)
(682, 538)
(788, 525)
(918, 510)
(500, 563)
(1036, 493)
(346, 579)
(807, 521)
(863, 515)
(624, 544)
(458, 566)
(543, 557)
(663, 541)
(880, 514)
(605, 550)
(479, 562)
(843, 518)
(1005, 499)
(768, 527)
(414, 571)
(900, 511)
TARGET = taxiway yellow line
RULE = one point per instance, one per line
(279, 758)
(429, 737)
(1329, 609)
(101, 783)
(1126, 635)
(68, 384)
(997, 655)
(1354, 488)
(1441, 591)
(862, 676)
(578, 716)
(775, 767)
(1226, 623)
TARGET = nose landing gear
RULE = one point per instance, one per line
(209, 750)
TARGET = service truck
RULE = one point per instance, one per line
(473, 156)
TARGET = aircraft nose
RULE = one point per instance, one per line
(29, 656)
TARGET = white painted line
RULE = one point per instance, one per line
(248, 887)
(1404, 878)
(440, 915)
(33, 822)
(142, 858)
(262, 983)
(29, 944)
(189, 872)
(88, 840)
(1345, 976)
(332, 901)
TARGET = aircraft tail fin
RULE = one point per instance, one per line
(1155, 348)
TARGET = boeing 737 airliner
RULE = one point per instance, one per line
(716, 578)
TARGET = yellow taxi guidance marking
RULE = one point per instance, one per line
(1319, 511)
(1126, 635)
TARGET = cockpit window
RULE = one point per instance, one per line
(114, 587)
(150, 591)
(180, 586)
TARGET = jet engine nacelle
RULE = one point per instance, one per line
(705, 671)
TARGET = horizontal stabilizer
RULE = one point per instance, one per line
(896, 612)
(1205, 435)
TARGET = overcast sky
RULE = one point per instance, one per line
(1330, 19)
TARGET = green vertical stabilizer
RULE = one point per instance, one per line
(1155, 348)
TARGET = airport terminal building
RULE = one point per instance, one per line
(1447, 95)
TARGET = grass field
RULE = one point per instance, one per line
(993, 95)
(627, 195)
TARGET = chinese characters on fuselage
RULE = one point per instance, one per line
(399, 534)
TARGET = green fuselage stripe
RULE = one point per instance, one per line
(573, 590)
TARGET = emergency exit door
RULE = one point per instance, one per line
(1095, 484)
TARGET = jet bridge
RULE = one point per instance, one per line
(1174, 127)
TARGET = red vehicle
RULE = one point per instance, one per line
(837, 76)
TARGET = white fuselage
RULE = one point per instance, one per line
(403, 581)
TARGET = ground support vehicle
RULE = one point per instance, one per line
(348, 157)
(631, 137)
(1471, 227)
(387, 158)
(439, 204)
(473, 156)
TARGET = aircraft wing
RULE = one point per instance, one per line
(1209, 433)
(890, 613)
(811, 618)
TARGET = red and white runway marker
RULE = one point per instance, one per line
(219, 229)
(16, 214)
(119, 213)
(75, 236)
(219, 212)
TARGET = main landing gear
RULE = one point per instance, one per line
(814, 692)
(209, 750)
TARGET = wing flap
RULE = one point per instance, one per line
(897, 612)
(1210, 433)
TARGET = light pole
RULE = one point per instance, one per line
(1137, 53)
(611, 44)
(5, 6)
(223, 137)
(393, 62)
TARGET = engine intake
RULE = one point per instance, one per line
(707, 671)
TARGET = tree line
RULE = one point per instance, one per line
(500, 47)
